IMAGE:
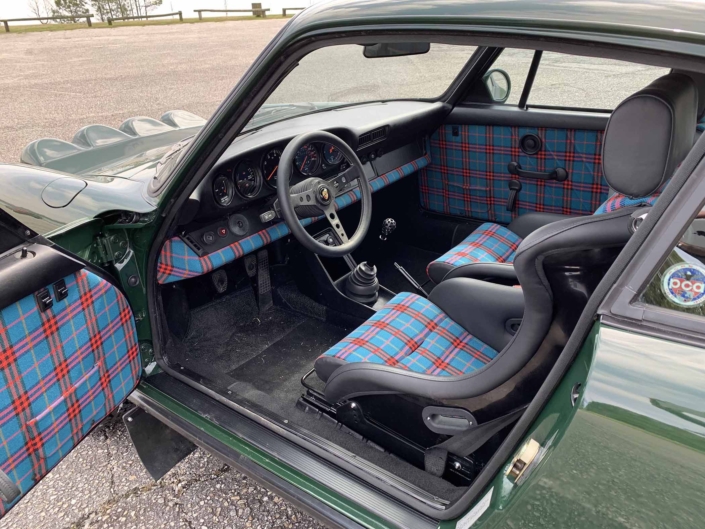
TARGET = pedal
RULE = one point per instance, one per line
(220, 281)
(251, 265)
(410, 279)
(264, 283)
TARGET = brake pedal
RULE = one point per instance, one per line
(264, 283)
(410, 279)
(220, 281)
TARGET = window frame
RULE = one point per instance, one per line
(622, 307)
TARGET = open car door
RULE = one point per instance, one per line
(68, 355)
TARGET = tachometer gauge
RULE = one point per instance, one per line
(331, 154)
(248, 179)
(307, 159)
(223, 190)
(270, 166)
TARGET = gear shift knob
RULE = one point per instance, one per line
(388, 226)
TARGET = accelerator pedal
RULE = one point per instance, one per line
(264, 283)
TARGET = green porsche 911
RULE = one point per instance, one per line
(400, 277)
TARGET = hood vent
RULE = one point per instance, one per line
(372, 137)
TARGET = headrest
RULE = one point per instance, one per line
(649, 134)
(699, 79)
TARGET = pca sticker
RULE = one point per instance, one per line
(684, 284)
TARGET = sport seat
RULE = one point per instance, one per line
(493, 244)
(463, 341)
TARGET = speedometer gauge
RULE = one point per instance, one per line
(331, 154)
(248, 179)
(223, 190)
(307, 159)
(270, 166)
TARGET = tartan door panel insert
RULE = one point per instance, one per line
(468, 174)
(61, 372)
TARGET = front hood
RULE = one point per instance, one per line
(45, 200)
(130, 151)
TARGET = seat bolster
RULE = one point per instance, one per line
(491, 307)
(325, 365)
(502, 273)
(437, 270)
(525, 224)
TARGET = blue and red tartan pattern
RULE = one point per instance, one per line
(619, 201)
(177, 261)
(413, 334)
(468, 176)
(61, 372)
(490, 243)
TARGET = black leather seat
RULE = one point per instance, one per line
(488, 252)
(462, 342)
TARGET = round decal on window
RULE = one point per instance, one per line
(684, 284)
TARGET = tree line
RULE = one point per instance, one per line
(103, 8)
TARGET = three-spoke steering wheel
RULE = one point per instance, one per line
(314, 197)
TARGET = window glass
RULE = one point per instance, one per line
(339, 75)
(680, 282)
(516, 63)
(588, 82)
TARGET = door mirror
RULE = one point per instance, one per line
(396, 49)
(498, 85)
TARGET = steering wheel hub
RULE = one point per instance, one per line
(314, 197)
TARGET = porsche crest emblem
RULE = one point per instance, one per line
(324, 194)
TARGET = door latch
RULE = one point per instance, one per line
(523, 462)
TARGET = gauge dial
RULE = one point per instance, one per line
(331, 154)
(307, 159)
(223, 190)
(248, 179)
(270, 166)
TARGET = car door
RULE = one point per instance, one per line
(537, 151)
(68, 355)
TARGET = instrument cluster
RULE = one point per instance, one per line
(251, 175)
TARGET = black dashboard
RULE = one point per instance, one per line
(236, 199)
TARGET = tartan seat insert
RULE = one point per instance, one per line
(413, 334)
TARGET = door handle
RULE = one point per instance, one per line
(559, 173)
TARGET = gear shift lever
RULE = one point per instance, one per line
(388, 226)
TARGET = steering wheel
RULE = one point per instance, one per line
(314, 197)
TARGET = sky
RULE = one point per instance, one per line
(20, 8)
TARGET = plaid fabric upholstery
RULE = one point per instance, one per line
(412, 333)
(468, 176)
(490, 243)
(177, 261)
(61, 372)
(619, 201)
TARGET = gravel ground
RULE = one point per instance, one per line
(102, 484)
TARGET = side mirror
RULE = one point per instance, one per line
(498, 84)
(396, 49)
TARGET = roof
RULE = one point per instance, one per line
(677, 24)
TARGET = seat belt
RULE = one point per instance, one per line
(467, 442)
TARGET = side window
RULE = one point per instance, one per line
(516, 63)
(679, 283)
(572, 81)
(588, 82)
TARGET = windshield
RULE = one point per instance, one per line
(341, 75)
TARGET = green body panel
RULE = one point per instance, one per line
(631, 453)
(329, 497)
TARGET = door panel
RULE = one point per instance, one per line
(468, 175)
(62, 369)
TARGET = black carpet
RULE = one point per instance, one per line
(261, 358)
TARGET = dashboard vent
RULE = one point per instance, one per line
(371, 137)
